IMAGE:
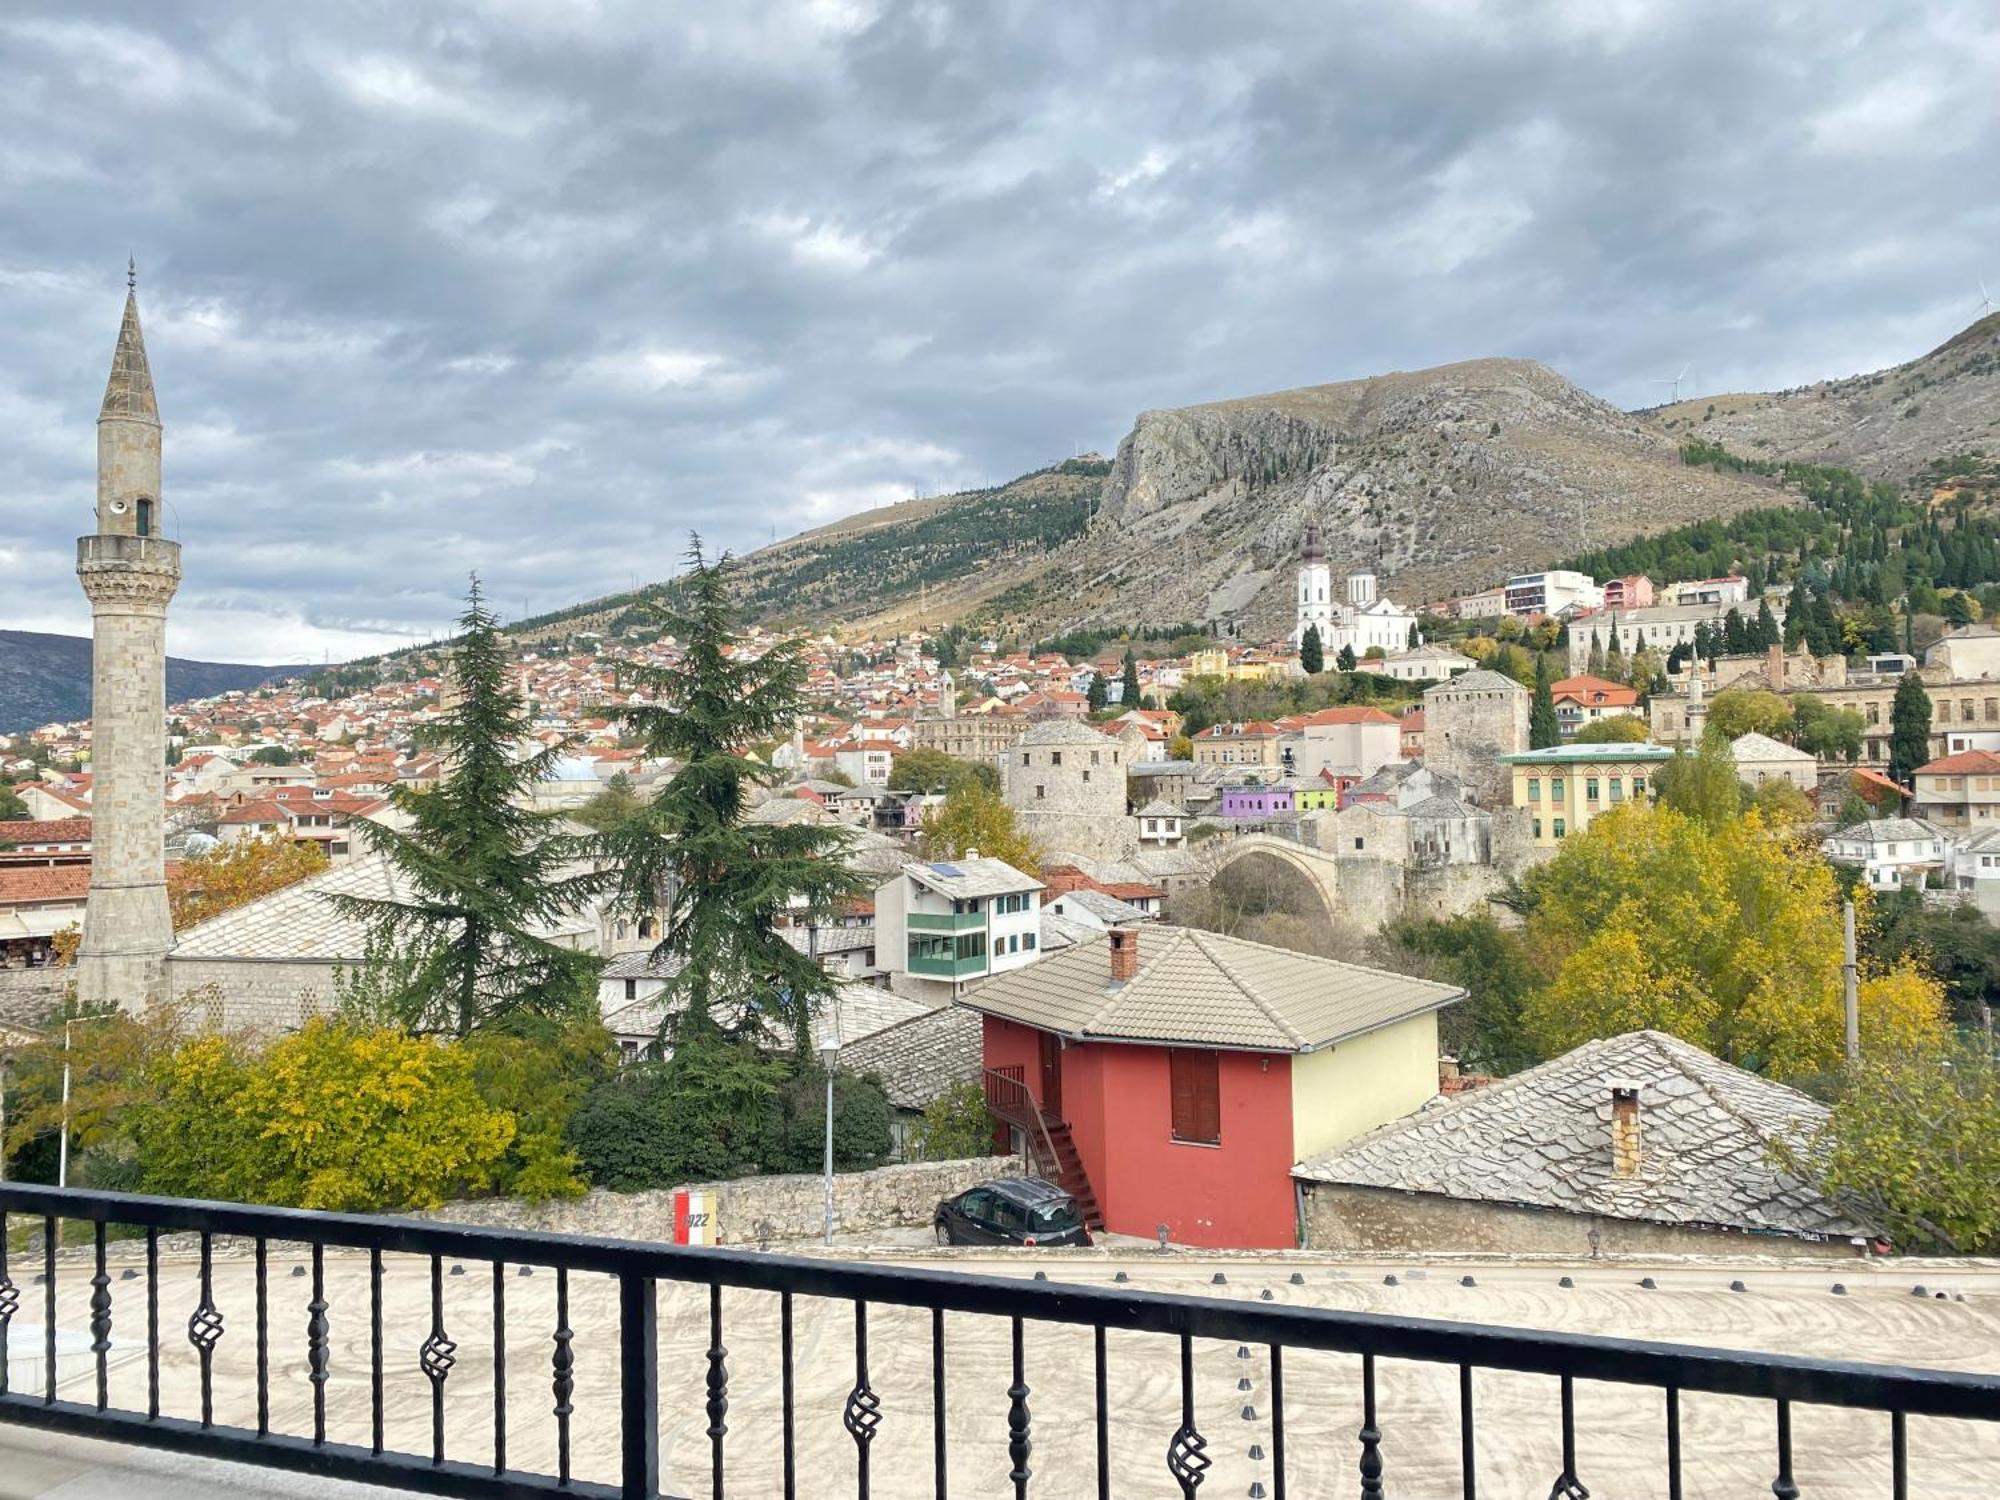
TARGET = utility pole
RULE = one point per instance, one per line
(1848, 985)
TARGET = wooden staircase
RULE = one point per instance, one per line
(1069, 1173)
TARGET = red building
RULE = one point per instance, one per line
(1175, 1078)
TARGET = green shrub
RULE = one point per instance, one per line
(955, 1125)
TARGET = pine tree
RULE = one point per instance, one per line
(1345, 661)
(1098, 694)
(1543, 728)
(1130, 680)
(1595, 665)
(485, 875)
(1909, 728)
(725, 883)
(1312, 652)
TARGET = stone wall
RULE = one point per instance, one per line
(250, 994)
(793, 1205)
(28, 995)
(1366, 1219)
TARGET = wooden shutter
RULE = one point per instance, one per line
(1197, 1100)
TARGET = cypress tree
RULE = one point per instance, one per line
(1312, 652)
(1764, 633)
(1543, 728)
(726, 883)
(1909, 728)
(1098, 694)
(1735, 640)
(1595, 665)
(1130, 680)
(485, 875)
(1345, 661)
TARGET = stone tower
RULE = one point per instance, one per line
(1066, 784)
(129, 572)
(1469, 723)
(1316, 605)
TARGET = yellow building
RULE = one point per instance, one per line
(1565, 786)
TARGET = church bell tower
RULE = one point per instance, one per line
(129, 572)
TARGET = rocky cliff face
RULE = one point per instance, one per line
(1439, 480)
(1888, 425)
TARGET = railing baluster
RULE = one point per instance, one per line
(1899, 1457)
(319, 1352)
(1103, 1415)
(563, 1362)
(10, 1299)
(49, 1309)
(263, 1339)
(499, 1367)
(785, 1378)
(436, 1358)
(1468, 1468)
(718, 1386)
(1567, 1485)
(1185, 1459)
(375, 1348)
(1371, 1435)
(1278, 1421)
(639, 1385)
(1783, 1486)
(1673, 1442)
(1020, 1442)
(100, 1318)
(204, 1329)
(152, 1325)
(864, 1407)
(937, 1401)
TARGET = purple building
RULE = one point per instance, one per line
(1253, 804)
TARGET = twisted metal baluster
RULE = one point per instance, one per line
(1186, 1460)
(718, 1385)
(319, 1348)
(100, 1320)
(1019, 1443)
(10, 1302)
(1784, 1487)
(563, 1362)
(437, 1357)
(864, 1407)
(1567, 1485)
(1371, 1435)
(204, 1330)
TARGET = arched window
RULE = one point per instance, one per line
(646, 927)
(145, 516)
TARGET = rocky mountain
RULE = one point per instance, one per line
(1889, 425)
(46, 678)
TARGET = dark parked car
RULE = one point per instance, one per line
(1011, 1211)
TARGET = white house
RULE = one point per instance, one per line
(1423, 664)
(1975, 869)
(1893, 854)
(1759, 759)
(948, 923)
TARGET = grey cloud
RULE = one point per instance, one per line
(537, 290)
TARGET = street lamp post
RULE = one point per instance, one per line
(828, 1051)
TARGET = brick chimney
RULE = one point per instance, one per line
(1124, 955)
(1774, 666)
(1625, 1149)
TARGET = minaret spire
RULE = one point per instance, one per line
(129, 391)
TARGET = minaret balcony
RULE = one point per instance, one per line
(108, 550)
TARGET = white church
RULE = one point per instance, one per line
(1362, 622)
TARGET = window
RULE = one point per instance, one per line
(1025, 758)
(1638, 786)
(1093, 757)
(1086, 775)
(1538, 828)
(1055, 757)
(1014, 943)
(999, 947)
(1197, 1100)
(1560, 830)
(1617, 791)
(1027, 942)
(1041, 792)
(1555, 791)
(1534, 788)
(1590, 789)
(631, 989)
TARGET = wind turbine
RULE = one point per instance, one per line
(1675, 382)
(1985, 302)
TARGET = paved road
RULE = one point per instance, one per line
(1786, 1307)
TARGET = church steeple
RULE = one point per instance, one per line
(129, 392)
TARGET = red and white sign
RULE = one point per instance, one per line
(694, 1218)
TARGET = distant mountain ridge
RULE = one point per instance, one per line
(46, 678)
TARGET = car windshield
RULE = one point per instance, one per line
(1053, 1216)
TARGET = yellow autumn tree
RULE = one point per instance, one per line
(1724, 933)
(232, 874)
(973, 817)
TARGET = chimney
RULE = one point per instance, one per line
(1774, 666)
(1625, 1150)
(972, 854)
(1124, 955)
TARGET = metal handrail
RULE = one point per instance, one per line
(1008, 1082)
(639, 1267)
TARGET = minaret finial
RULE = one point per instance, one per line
(131, 273)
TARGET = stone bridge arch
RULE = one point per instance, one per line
(1306, 871)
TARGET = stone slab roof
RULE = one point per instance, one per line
(1064, 732)
(964, 879)
(919, 1058)
(1542, 1139)
(1755, 746)
(1203, 989)
(1890, 831)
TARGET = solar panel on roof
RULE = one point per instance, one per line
(952, 871)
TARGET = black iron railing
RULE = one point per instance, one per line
(640, 1268)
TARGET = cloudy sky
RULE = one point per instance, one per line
(537, 287)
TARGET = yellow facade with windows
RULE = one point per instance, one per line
(1563, 789)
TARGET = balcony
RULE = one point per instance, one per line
(948, 966)
(433, 1359)
(950, 921)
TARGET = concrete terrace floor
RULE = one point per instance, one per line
(1728, 1443)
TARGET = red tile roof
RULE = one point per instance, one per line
(32, 884)
(46, 831)
(1980, 761)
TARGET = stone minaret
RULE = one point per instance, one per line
(129, 571)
